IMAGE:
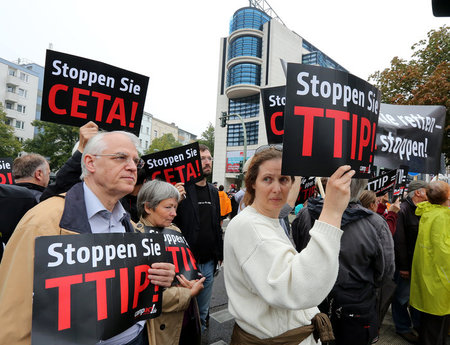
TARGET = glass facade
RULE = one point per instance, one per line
(246, 107)
(248, 18)
(235, 134)
(244, 73)
(316, 57)
(245, 46)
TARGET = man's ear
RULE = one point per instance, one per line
(38, 174)
(89, 162)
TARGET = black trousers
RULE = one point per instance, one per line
(433, 329)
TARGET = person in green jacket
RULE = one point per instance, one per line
(430, 277)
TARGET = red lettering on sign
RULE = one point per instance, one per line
(118, 103)
(186, 265)
(198, 168)
(138, 287)
(174, 251)
(51, 99)
(123, 290)
(167, 176)
(155, 175)
(338, 117)
(192, 258)
(191, 173)
(3, 178)
(155, 297)
(100, 279)
(354, 134)
(364, 138)
(101, 97)
(180, 172)
(308, 126)
(374, 133)
(272, 123)
(76, 102)
(63, 284)
(134, 106)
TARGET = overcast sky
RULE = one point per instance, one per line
(176, 43)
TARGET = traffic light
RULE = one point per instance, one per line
(223, 121)
(241, 165)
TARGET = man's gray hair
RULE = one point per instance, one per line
(26, 165)
(356, 188)
(96, 145)
(152, 193)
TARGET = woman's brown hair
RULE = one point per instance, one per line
(367, 198)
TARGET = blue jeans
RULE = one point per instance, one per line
(204, 297)
(400, 315)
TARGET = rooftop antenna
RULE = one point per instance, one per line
(264, 6)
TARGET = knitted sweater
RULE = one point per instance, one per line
(271, 288)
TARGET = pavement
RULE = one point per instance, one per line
(221, 322)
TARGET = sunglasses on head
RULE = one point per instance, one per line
(278, 147)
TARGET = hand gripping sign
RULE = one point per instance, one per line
(91, 287)
(78, 90)
(181, 164)
(330, 119)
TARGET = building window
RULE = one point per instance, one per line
(245, 46)
(8, 121)
(147, 130)
(23, 76)
(146, 144)
(245, 107)
(21, 108)
(248, 18)
(235, 134)
(9, 105)
(155, 133)
(244, 73)
(12, 72)
(22, 92)
(11, 88)
(19, 124)
(140, 142)
(20, 139)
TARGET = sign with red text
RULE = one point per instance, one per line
(274, 100)
(91, 287)
(181, 164)
(179, 253)
(235, 159)
(384, 183)
(307, 189)
(78, 90)
(410, 135)
(330, 119)
(6, 171)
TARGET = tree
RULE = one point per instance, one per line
(425, 80)
(207, 138)
(165, 142)
(10, 146)
(53, 141)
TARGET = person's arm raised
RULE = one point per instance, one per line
(337, 196)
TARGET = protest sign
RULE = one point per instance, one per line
(90, 287)
(410, 135)
(235, 159)
(330, 119)
(384, 183)
(77, 90)
(181, 164)
(179, 253)
(274, 100)
(401, 180)
(307, 189)
(6, 171)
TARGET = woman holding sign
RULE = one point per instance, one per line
(274, 291)
(179, 322)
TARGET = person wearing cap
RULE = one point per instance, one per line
(404, 243)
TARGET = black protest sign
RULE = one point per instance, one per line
(91, 287)
(384, 183)
(307, 189)
(181, 164)
(410, 135)
(330, 119)
(77, 90)
(6, 171)
(274, 99)
(179, 253)
(401, 180)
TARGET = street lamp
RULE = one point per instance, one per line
(223, 123)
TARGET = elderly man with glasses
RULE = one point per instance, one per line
(109, 165)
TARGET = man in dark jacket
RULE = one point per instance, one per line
(198, 217)
(405, 241)
(366, 260)
(33, 172)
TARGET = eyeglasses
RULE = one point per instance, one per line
(207, 159)
(278, 147)
(123, 158)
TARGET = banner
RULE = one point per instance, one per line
(410, 135)
(384, 183)
(274, 100)
(401, 180)
(78, 90)
(181, 164)
(307, 189)
(6, 171)
(234, 159)
(330, 119)
(179, 253)
(91, 287)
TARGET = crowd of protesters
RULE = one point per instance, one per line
(331, 274)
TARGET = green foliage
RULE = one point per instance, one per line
(165, 142)
(10, 146)
(207, 138)
(425, 80)
(53, 141)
